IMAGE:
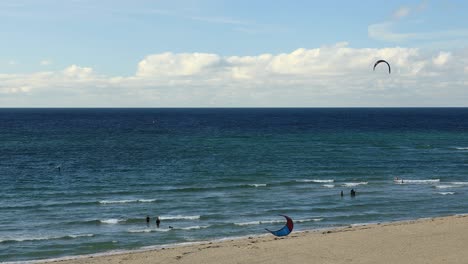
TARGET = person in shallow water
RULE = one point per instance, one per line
(158, 221)
(353, 192)
(147, 219)
(341, 194)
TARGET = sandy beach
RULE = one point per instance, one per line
(435, 240)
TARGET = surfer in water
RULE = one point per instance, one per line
(397, 180)
(157, 221)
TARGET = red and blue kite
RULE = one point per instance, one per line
(288, 228)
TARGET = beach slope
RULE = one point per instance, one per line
(437, 240)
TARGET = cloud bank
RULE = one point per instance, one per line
(328, 76)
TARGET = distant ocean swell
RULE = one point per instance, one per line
(25, 239)
(435, 182)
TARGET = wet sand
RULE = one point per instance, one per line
(435, 240)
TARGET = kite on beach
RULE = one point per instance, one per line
(286, 228)
(384, 61)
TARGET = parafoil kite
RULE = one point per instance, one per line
(286, 228)
(380, 61)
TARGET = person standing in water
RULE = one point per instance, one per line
(147, 219)
(157, 221)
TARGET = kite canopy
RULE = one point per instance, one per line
(384, 61)
(285, 230)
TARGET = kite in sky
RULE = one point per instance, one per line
(384, 61)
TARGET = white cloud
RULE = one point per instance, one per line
(77, 72)
(169, 64)
(388, 30)
(45, 62)
(385, 32)
(336, 75)
(401, 12)
(442, 58)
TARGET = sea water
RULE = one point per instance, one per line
(82, 181)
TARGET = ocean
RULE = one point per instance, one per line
(82, 181)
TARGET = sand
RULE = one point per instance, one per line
(436, 240)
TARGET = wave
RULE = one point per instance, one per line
(114, 221)
(180, 217)
(446, 193)
(459, 183)
(247, 185)
(351, 184)
(277, 221)
(418, 181)
(308, 220)
(192, 227)
(316, 181)
(446, 186)
(329, 185)
(149, 230)
(111, 221)
(258, 185)
(42, 205)
(127, 201)
(258, 222)
(23, 239)
(461, 148)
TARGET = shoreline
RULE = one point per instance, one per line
(269, 249)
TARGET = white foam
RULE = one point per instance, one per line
(146, 200)
(81, 235)
(329, 185)
(461, 148)
(117, 201)
(258, 185)
(111, 221)
(149, 230)
(247, 223)
(179, 217)
(351, 184)
(459, 183)
(315, 180)
(308, 220)
(446, 193)
(193, 227)
(259, 222)
(127, 201)
(447, 186)
(420, 181)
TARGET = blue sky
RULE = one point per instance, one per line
(112, 38)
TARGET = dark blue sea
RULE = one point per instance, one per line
(82, 181)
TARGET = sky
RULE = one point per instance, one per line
(217, 53)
